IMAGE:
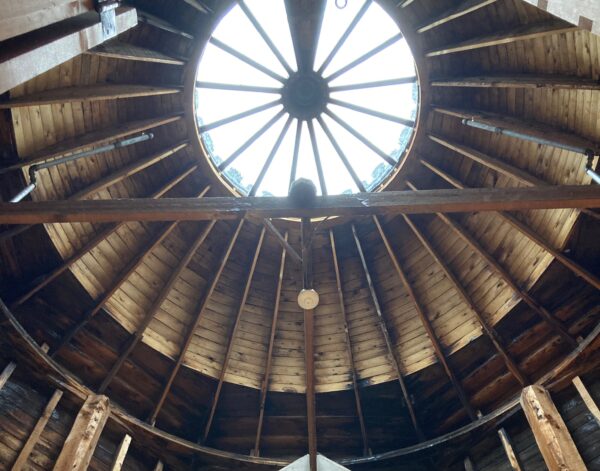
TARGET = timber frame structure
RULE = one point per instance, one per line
(149, 315)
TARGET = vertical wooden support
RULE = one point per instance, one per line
(159, 466)
(550, 432)
(121, 453)
(469, 466)
(512, 456)
(309, 347)
(587, 398)
(83, 437)
(21, 460)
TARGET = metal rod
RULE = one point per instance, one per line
(379, 83)
(360, 109)
(365, 57)
(317, 156)
(527, 137)
(237, 88)
(360, 137)
(265, 36)
(23, 193)
(246, 59)
(593, 174)
(236, 117)
(345, 36)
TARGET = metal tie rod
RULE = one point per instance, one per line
(51, 163)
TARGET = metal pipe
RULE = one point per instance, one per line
(594, 175)
(87, 153)
(34, 168)
(526, 137)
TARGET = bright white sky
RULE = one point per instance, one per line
(217, 66)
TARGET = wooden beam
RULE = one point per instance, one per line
(387, 338)
(35, 434)
(196, 320)
(154, 308)
(36, 52)
(20, 17)
(217, 394)
(43, 281)
(338, 280)
(550, 432)
(309, 344)
(282, 241)
(88, 93)
(489, 330)
(93, 139)
(437, 347)
(555, 82)
(520, 33)
(462, 9)
(469, 465)
(532, 128)
(389, 202)
(511, 454)
(264, 387)
(125, 51)
(7, 373)
(159, 466)
(159, 23)
(121, 454)
(83, 437)
(587, 398)
(123, 276)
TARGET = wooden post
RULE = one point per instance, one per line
(121, 453)
(550, 432)
(36, 432)
(587, 398)
(83, 437)
(512, 456)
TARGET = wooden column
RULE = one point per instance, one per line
(83, 437)
(550, 432)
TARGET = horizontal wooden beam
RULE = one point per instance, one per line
(125, 51)
(506, 37)
(519, 81)
(28, 56)
(160, 23)
(20, 17)
(391, 202)
(462, 9)
(88, 93)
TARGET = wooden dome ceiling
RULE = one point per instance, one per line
(424, 320)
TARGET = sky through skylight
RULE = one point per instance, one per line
(399, 100)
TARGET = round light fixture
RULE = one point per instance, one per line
(308, 299)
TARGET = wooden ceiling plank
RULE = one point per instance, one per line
(27, 56)
(453, 13)
(426, 324)
(360, 204)
(217, 394)
(46, 279)
(265, 383)
(394, 357)
(21, 461)
(196, 320)
(556, 82)
(556, 324)
(162, 296)
(489, 330)
(93, 139)
(520, 33)
(338, 280)
(88, 93)
(123, 276)
(575, 267)
(128, 170)
(124, 51)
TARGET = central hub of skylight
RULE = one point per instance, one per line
(305, 95)
(288, 89)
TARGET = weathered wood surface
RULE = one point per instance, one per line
(81, 442)
(550, 431)
(420, 202)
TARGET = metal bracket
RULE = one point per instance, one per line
(106, 9)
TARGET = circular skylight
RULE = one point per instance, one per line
(278, 99)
